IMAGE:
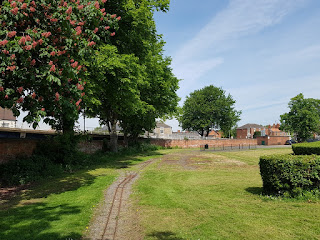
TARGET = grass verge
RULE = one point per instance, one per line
(61, 207)
(207, 195)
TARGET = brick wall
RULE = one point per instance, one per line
(272, 140)
(10, 148)
(196, 143)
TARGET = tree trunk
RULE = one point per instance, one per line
(67, 127)
(114, 136)
(126, 140)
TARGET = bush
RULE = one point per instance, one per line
(27, 169)
(290, 174)
(306, 148)
(61, 149)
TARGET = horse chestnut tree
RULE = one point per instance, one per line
(43, 49)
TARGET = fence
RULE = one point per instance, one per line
(227, 147)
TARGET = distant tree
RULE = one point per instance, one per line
(209, 108)
(43, 48)
(257, 134)
(303, 119)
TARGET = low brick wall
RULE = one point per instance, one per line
(197, 143)
(11, 148)
(272, 140)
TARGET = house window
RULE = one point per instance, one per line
(161, 130)
(5, 124)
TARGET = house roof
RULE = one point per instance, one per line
(6, 114)
(250, 125)
(160, 124)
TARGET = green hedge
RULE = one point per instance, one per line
(306, 148)
(290, 174)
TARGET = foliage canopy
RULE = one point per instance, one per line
(303, 119)
(209, 108)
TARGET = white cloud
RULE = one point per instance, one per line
(240, 18)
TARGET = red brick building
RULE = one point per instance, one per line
(247, 131)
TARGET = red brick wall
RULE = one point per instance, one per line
(273, 140)
(196, 143)
(10, 148)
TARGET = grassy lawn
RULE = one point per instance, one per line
(205, 195)
(61, 208)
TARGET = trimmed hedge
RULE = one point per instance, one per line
(291, 174)
(306, 148)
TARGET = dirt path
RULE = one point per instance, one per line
(114, 218)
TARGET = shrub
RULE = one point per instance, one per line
(27, 169)
(306, 148)
(290, 174)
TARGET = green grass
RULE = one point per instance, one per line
(220, 199)
(61, 208)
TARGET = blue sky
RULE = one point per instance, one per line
(262, 52)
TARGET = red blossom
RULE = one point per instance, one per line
(40, 41)
(118, 18)
(78, 102)
(79, 86)
(6, 96)
(95, 30)
(53, 53)
(5, 51)
(22, 40)
(11, 34)
(13, 56)
(28, 38)
(33, 62)
(54, 20)
(57, 96)
(20, 89)
(32, 9)
(97, 5)
(53, 68)
(34, 44)
(33, 95)
(80, 7)
(13, 4)
(3, 43)
(1, 89)
(69, 10)
(91, 43)
(24, 6)
(50, 63)
(11, 68)
(112, 34)
(15, 10)
(113, 16)
(28, 47)
(20, 100)
(42, 109)
(75, 64)
(46, 34)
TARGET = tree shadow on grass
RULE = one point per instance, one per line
(164, 235)
(71, 181)
(34, 222)
(255, 190)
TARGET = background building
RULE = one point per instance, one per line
(7, 119)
